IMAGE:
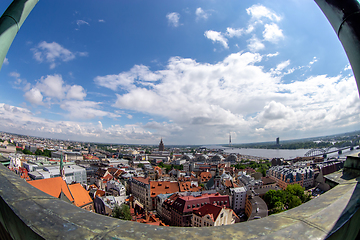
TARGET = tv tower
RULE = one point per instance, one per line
(230, 139)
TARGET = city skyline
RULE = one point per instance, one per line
(189, 72)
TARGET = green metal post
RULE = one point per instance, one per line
(10, 23)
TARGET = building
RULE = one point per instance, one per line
(161, 145)
(285, 175)
(238, 198)
(255, 207)
(73, 173)
(140, 189)
(58, 188)
(178, 210)
(212, 215)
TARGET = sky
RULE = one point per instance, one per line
(189, 72)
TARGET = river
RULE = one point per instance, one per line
(280, 153)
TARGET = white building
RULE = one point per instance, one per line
(73, 173)
(238, 197)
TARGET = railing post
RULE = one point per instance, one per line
(10, 23)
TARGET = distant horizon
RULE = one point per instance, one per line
(199, 145)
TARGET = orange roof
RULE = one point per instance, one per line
(187, 187)
(205, 176)
(209, 209)
(142, 179)
(53, 187)
(156, 168)
(81, 196)
(100, 193)
(163, 187)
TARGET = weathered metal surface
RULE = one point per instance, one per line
(10, 23)
(43, 216)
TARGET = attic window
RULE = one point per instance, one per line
(202, 204)
(198, 205)
(193, 205)
(189, 206)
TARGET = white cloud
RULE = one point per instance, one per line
(22, 121)
(347, 67)
(139, 73)
(76, 92)
(173, 19)
(34, 96)
(85, 110)
(81, 22)
(210, 100)
(255, 44)
(232, 32)
(282, 65)
(52, 86)
(259, 11)
(101, 20)
(216, 37)
(53, 53)
(6, 61)
(313, 61)
(272, 33)
(201, 14)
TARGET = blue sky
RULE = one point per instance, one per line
(190, 72)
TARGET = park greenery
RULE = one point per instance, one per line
(281, 200)
(169, 167)
(122, 212)
(260, 166)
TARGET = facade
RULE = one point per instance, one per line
(285, 175)
(68, 156)
(212, 215)
(238, 197)
(255, 207)
(178, 210)
(73, 173)
(140, 189)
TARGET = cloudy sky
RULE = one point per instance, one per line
(190, 72)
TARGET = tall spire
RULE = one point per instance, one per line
(161, 145)
(230, 139)
(62, 171)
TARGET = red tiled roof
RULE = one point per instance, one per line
(209, 209)
(53, 187)
(81, 196)
(187, 187)
(205, 176)
(163, 187)
(142, 179)
(191, 203)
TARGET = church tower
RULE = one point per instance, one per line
(161, 145)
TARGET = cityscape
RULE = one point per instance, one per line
(187, 186)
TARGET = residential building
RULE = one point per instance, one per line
(285, 175)
(212, 215)
(178, 210)
(238, 198)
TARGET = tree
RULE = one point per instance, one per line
(38, 152)
(161, 164)
(294, 201)
(140, 165)
(122, 212)
(25, 151)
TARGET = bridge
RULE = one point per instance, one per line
(324, 152)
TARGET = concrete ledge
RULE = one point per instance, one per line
(27, 213)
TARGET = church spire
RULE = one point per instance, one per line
(161, 145)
